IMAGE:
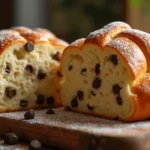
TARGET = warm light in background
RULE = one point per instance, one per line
(74, 19)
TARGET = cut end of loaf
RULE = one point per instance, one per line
(99, 74)
(29, 71)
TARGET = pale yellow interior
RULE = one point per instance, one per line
(28, 86)
(105, 101)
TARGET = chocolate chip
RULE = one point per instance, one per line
(80, 95)
(57, 56)
(97, 69)
(50, 111)
(35, 145)
(119, 100)
(10, 92)
(50, 100)
(90, 107)
(96, 83)
(116, 89)
(10, 138)
(74, 102)
(114, 59)
(59, 74)
(7, 69)
(93, 93)
(41, 74)
(70, 67)
(29, 69)
(23, 103)
(83, 71)
(40, 99)
(29, 114)
(29, 47)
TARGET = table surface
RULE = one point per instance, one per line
(22, 146)
(75, 131)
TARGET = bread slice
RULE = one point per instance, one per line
(29, 66)
(104, 75)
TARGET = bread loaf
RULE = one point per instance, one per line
(29, 66)
(105, 73)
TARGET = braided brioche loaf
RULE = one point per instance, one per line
(105, 74)
(29, 66)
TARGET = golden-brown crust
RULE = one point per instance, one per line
(134, 47)
(7, 40)
(142, 39)
(34, 37)
(103, 36)
(141, 89)
(131, 54)
(78, 43)
(46, 33)
(21, 29)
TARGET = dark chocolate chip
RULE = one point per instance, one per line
(29, 47)
(29, 69)
(50, 111)
(70, 67)
(7, 69)
(57, 56)
(35, 145)
(10, 139)
(74, 102)
(59, 74)
(10, 92)
(114, 59)
(83, 71)
(96, 83)
(41, 74)
(50, 100)
(80, 95)
(23, 103)
(93, 93)
(40, 99)
(119, 100)
(29, 114)
(90, 107)
(97, 69)
(116, 89)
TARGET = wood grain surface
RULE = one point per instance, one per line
(74, 131)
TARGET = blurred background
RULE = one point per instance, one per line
(71, 20)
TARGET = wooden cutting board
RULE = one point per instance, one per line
(74, 131)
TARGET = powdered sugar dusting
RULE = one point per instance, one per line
(108, 31)
(78, 42)
(131, 52)
(63, 119)
(143, 36)
(8, 39)
(34, 37)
